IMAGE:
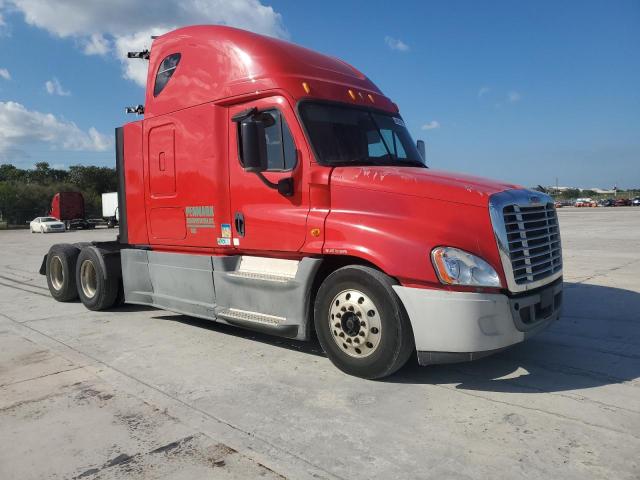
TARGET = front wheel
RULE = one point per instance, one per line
(361, 323)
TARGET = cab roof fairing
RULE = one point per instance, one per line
(219, 62)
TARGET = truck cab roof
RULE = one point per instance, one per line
(218, 63)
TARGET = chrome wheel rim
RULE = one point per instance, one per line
(56, 273)
(88, 279)
(355, 324)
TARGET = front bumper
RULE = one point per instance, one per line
(452, 327)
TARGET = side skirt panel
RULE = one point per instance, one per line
(265, 297)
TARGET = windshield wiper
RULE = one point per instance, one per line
(384, 142)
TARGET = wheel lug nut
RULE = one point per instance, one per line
(356, 340)
(341, 334)
(361, 334)
(369, 344)
(374, 330)
(348, 340)
(351, 308)
(337, 325)
(362, 324)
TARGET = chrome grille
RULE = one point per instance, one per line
(533, 241)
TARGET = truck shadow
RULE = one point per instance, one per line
(311, 347)
(595, 343)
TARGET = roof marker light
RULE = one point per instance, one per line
(371, 98)
(352, 95)
(306, 87)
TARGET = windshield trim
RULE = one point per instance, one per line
(370, 109)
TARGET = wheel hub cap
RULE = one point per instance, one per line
(354, 321)
(56, 273)
(88, 278)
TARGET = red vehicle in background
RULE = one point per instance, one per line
(277, 189)
(623, 202)
(68, 207)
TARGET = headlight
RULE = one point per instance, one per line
(457, 267)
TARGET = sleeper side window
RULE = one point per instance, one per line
(165, 71)
(281, 149)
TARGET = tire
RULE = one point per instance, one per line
(61, 272)
(97, 288)
(372, 338)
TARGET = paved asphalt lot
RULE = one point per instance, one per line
(142, 393)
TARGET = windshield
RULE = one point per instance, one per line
(343, 135)
(48, 219)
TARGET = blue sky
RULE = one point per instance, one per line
(520, 91)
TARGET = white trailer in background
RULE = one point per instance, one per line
(110, 208)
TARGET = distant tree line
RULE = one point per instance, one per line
(26, 194)
(573, 193)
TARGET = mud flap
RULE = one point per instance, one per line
(43, 267)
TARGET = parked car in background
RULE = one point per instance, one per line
(586, 202)
(636, 202)
(623, 202)
(608, 202)
(46, 225)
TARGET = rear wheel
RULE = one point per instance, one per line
(97, 279)
(361, 323)
(61, 271)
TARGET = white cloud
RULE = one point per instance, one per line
(20, 127)
(4, 73)
(119, 26)
(396, 44)
(483, 91)
(514, 97)
(54, 88)
(96, 44)
(431, 125)
(135, 69)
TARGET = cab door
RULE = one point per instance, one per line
(263, 219)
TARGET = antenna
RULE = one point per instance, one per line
(143, 55)
(138, 110)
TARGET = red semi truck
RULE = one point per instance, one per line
(68, 207)
(277, 189)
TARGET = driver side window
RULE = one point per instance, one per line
(281, 149)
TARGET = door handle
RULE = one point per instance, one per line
(238, 222)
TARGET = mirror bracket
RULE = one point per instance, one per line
(284, 186)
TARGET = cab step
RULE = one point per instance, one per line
(265, 277)
(232, 314)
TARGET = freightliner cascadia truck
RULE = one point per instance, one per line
(273, 188)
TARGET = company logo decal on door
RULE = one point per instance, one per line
(199, 217)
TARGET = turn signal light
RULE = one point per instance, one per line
(352, 95)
